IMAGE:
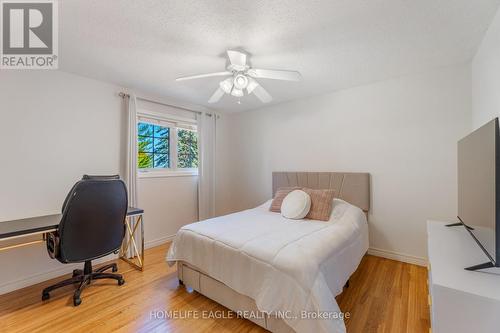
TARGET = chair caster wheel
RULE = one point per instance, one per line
(77, 301)
(121, 282)
(77, 272)
(114, 269)
(45, 296)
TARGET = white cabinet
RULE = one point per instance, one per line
(461, 301)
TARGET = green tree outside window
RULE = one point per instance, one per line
(187, 148)
(153, 146)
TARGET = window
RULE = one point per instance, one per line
(169, 146)
(153, 146)
(187, 148)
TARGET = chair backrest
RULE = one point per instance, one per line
(92, 223)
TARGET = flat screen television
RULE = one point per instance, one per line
(479, 190)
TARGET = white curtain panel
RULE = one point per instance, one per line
(131, 169)
(207, 131)
(131, 165)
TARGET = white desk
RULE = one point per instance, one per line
(131, 251)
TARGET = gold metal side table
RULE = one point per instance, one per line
(131, 251)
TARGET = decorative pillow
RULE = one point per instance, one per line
(279, 196)
(296, 205)
(321, 204)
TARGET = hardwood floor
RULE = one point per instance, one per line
(386, 296)
(383, 296)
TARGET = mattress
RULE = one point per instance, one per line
(293, 269)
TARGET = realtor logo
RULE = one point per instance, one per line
(29, 34)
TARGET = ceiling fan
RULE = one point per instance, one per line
(242, 77)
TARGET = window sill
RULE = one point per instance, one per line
(166, 174)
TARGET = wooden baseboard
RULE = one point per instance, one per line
(398, 256)
(159, 241)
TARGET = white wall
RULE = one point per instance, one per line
(170, 203)
(402, 131)
(54, 127)
(486, 76)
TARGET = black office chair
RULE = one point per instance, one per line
(92, 226)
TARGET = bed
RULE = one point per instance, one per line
(281, 274)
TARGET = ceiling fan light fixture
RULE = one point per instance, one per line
(237, 92)
(227, 85)
(240, 81)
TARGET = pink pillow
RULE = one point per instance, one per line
(281, 193)
(321, 204)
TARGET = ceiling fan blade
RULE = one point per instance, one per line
(275, 74)
(227, 85)
(237, 58)
(252, 84)
(200, 76)
(216, 96)
(262, 94)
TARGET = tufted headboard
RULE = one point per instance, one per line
(349, 186)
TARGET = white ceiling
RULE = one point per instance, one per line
(335, 44)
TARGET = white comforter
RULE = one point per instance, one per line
(286, 266)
